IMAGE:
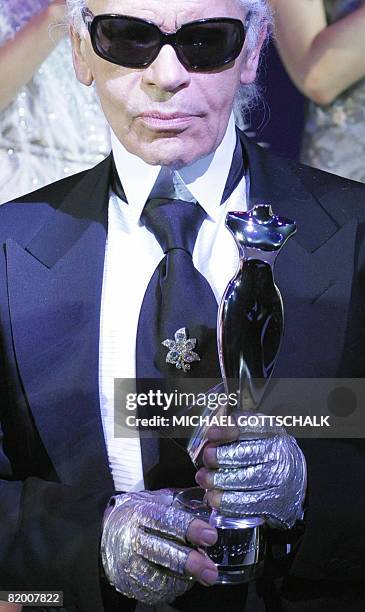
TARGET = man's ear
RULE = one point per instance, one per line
(79, 56)
(249, 68)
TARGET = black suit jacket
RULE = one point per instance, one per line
(55, 480)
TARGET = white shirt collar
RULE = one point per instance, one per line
(205, 179)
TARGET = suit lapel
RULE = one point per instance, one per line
(314, 272)
(54, 287)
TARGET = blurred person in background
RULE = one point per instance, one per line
(322, 45)
(49, 126)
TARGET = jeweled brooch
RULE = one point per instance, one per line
(181, 350)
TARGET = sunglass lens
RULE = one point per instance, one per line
(211, 44)
(126, 42)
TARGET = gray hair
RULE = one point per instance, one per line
(261, 17)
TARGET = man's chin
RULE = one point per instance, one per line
(171, 154)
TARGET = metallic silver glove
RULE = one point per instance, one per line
(143, 546)
(264, 475)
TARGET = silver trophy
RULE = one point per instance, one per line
(250, 330)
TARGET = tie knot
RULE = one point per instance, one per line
(174, 223)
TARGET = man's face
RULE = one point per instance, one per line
(166, 114)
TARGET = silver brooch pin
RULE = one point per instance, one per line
(181, 353)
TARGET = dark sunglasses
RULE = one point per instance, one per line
(205, 44)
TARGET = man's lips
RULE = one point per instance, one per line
(166, 121)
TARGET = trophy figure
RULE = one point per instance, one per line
(250, 330)
(251, 319)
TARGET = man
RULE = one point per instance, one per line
(82, 303)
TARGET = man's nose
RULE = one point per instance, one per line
(167, 73)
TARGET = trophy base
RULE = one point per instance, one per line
(240, 550)
(241, 576)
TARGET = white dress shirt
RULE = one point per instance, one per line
(131, 256)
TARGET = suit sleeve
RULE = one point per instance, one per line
(50, 536)
(50, 532)
(333, 544)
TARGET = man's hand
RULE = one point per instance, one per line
(147, 547)
(254, 473)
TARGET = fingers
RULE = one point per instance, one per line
(179, 559)
(201, 568)
(240, 503)
(251, 478)
(239, 454)
(214, 498)
(161, 551)
(217, 436)
(205, 478)
(223, 435)
(243, 466)
(167, 521)
(201, 534)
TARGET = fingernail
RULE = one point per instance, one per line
(210, 454)
(209, 577)
(213, 433)
(209, 536)
(197, 478)
(212, 499)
